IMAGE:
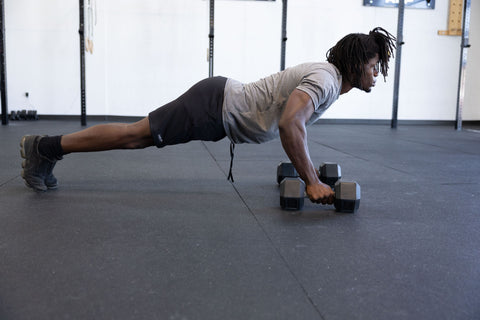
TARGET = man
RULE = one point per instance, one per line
(281, 105)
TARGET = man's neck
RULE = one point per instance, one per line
(346, 86)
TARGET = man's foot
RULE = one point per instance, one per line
(37, 170)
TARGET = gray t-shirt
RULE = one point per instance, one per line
(251, 112)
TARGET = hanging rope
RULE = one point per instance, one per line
(91, 13)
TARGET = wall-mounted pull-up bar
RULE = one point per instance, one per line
(211, 36)
(284, 34)
(398, 60)
(463, 64)
(81, 31)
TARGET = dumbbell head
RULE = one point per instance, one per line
(347, 196)
(22, 114)
(284, 170)
(292, 193)
(330, 173)
(13, 115)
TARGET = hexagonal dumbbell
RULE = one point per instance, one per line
(292, 195)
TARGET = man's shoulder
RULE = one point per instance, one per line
(318, 68)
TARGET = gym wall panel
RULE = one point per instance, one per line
(147, 52)
(42, 55)
(155, 51)
(430, 63)
(247, 39)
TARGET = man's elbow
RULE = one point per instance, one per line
(290, 126)
(287, 122)
(284, 126)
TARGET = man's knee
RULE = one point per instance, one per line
(138, 135)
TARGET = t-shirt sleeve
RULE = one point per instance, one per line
(317, 85)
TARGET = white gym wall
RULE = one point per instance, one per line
(147, 52)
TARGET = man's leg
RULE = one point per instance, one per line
(108, 137)
(41, 153)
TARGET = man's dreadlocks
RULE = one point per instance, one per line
(352, 52)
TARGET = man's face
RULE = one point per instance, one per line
(369, 77)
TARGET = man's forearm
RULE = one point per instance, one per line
(294, 142)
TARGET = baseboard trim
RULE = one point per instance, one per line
(91, 118)
(385, 122)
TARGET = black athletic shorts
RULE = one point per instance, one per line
(195, 115)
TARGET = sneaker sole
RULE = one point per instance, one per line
(22, 148)
(30, 186)
(52, 187)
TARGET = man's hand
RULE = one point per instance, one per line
(320, 193)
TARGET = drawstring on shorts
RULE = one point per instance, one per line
(230, 174)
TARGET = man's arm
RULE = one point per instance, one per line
(293, 135)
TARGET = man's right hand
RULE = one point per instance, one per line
(320, 193)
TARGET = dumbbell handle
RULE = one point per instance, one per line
(305, 195)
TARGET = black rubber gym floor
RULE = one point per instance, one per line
(162, 234)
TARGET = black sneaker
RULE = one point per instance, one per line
(50, 180)
(36, 168)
